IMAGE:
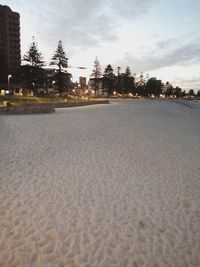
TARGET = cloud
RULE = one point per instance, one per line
(192, 82)
(82, 23)
(165, 54)
(131, 9)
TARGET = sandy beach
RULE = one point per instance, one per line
(102, 186)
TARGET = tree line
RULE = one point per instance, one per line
(59, 59)
(32, 74)
(124, 83)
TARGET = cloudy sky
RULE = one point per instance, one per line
(158, 37)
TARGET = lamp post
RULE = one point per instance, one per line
(53, 82)
(33, 85)
(118, 79)
(87, 93)
(78, 91)
(9, 76)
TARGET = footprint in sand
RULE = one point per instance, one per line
(53, 235)
(187, 202)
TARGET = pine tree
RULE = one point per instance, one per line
(128, 71)
(177, 91)
(96, 74)
(191, 93)
(128, 82)
(109, 79)
(33, 56)
(169, 90)
(59, 58)
(61, 61)
(141, 84)
(32, 73)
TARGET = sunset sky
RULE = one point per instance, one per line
(158, 37)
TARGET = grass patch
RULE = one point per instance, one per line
(21, 100)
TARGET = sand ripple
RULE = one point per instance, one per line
(111, 185)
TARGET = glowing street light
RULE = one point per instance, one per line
(53, 82)
(9, 76)
(52, 85)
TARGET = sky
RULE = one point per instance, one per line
(158, 37)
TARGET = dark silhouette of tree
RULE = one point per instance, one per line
(169, 89)
(198, 93)
(177, 91)
(30, 77)
(183, 94)
(162, 88)
(191, 93)
(118, 80)
(33, 57)
(129, 85)
(141, 85)
(96, 75)
(125, 82)
(60, 60)
(109, 79)
(153, 87)
(32, 73)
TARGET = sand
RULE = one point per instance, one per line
(102, 186)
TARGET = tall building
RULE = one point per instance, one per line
(10, 49)
(82, 82)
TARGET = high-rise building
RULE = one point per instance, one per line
(82, 82)
(10, 49)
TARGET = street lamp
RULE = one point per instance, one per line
(9, 76)
(118, 78)
(53, 82)
(78, 91)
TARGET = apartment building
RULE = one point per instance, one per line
(10, 49)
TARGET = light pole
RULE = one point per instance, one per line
(33, 85)
(9, 76)
(53, 82)
(78, 91)
(118, 77)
